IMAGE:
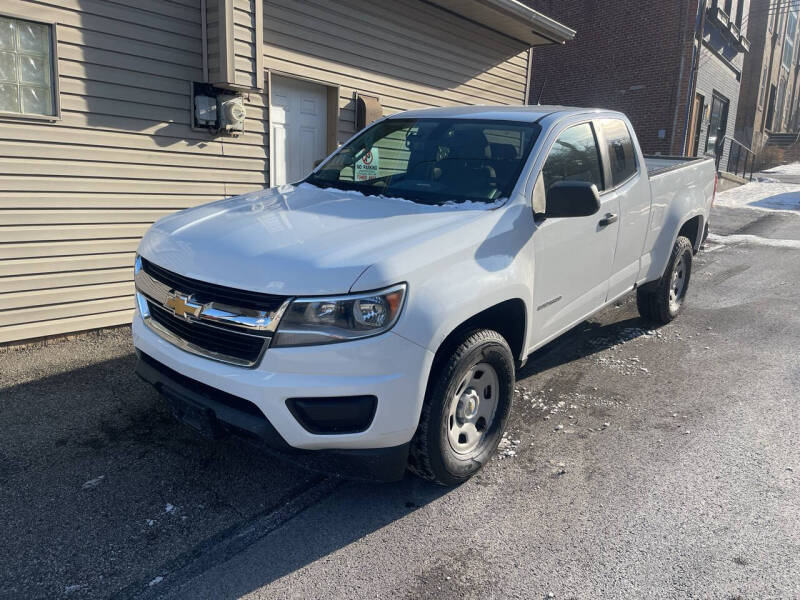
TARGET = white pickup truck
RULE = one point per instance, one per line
(376, 311)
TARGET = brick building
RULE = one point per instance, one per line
(768, 102)
(673, 67)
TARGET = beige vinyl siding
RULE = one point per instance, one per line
(247, 41)
(76, 195)
(234, 40)
(413, 55)
(216, 70)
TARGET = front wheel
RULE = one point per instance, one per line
(465, 411)
(662, 300)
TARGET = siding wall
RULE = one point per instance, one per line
(414, 56)
(248, 70)
(234, 39)
(76, 195)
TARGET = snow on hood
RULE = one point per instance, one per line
(458, 204)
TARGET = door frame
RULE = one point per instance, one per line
(696, 125)
(331, 117)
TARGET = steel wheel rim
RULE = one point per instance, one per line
(472, 408)
(677, 287)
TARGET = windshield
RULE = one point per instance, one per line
(432, 160)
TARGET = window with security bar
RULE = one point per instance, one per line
(26, 68)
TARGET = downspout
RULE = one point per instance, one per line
(682, 26)
(700, 20)
(528, 76)
(204, 38)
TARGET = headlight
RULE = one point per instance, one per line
(339, 318)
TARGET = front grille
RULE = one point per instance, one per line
(204, 292)
(243, 346)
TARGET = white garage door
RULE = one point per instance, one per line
(298, 114)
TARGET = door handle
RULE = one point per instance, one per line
(608, 220)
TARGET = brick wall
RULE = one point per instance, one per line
(714, 76)
(628, 55)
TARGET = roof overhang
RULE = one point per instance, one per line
(512, 18)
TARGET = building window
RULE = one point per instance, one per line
(779, 108)
(789, 41)
(26, 68)
(718, 122)
(762, 93)
(771, 18)
(739, 14)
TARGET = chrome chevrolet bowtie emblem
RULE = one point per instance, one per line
(182, 306)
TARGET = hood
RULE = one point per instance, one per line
(296, 240)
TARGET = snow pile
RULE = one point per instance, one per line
(727, 240)
(765, 193)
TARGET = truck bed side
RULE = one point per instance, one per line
(682, 190)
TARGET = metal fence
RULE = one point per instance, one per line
(741, 159)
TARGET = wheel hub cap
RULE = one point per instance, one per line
(678, 284)
(472, 408)
(468, 405)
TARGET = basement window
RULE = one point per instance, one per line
(27, 69)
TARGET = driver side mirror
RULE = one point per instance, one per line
(572, 199)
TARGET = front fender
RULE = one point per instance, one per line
(460, 274)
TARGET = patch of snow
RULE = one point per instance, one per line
(764, 194)
(506, 448)
(93, 483)
(72, 588)
(170, 508)
(727, 240)
(155, 581)
(790, 169)
(451, 204)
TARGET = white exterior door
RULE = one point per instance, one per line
(298, 116)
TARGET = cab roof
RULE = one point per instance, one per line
(529, 113)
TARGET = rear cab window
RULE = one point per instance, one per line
(621, 152)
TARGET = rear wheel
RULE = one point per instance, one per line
(465, 411)
(661, 301)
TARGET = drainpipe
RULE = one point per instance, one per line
(700, 21)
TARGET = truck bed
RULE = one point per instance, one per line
(656, 165)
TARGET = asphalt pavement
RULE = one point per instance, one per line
(639, 462)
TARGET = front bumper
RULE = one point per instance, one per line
(387, 366)
(214, 413)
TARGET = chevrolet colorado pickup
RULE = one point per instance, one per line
(376, 311)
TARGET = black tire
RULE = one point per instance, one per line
(653, 300)
(431, 455)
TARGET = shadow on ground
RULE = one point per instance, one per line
(106, 492)
(588, 338)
